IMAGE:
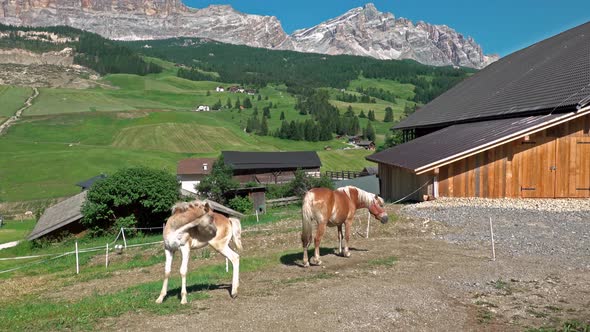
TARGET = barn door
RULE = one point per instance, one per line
(573, 167)
(538, 168)
(582, 168)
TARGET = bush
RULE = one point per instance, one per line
(241, 204)
(216, 184)
(278, 191)
(138, 197)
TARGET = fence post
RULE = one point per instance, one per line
(77, 260)
(368, 222)
(124, 240)
(492, 233)
(256, 215)
(106, 263)
(226, 265)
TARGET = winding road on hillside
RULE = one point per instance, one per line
(17, 115)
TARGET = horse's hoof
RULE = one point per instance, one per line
(347, 254)
(234, 296)
(306, 264)
(183, 301)
(314, 261)
(160, 300)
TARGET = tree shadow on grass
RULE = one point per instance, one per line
(296, 259)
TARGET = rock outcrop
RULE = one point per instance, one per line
(361, 31)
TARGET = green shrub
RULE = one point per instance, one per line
(140, 196)
(216, 184)
(241, 204)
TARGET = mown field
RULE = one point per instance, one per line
(44, 156)
(15, 230)
(69, 135)
(13, 98)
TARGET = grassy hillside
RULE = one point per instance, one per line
(16, 230)
(12, 98)
(44, 156)
(69, 135)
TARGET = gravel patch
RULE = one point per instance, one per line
(557, 230)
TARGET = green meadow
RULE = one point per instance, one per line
(13, 98)
(13, 230)
(69, 135)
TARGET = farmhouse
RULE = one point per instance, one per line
(367, 145)
(203, 108)
(518, 128)
(220, 89)
(270, 167)
(191, 171)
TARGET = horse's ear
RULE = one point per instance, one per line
(207, 207)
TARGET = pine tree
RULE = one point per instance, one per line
(362, 115)
(208, 93)
(217, 105)
(263, 127)
(370, 132)
(349, 112)
(228, 104)
(247, 103)
(238, 104)
(284, 131)
(371, 115)
(282, 116)
(388, 114)
(266, 112)
(259, 97)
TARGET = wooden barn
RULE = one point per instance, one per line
(519, 128)
(271, 167)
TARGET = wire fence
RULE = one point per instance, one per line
(109, 247)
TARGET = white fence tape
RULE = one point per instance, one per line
(110, 247)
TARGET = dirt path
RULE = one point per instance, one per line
(28, 103)
(433, 285)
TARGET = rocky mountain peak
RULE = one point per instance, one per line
(360, 31)
(367, 31)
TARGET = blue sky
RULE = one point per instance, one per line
(500, 26)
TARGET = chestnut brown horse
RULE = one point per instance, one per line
(334, 208)
(194, 225)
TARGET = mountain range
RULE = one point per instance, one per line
(362, 31)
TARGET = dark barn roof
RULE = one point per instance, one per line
(271, 161)
(86, 184)
(426, 152)
(553, 74)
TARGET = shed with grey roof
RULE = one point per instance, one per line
(63, 216)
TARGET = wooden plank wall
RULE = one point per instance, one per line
(396, 183)
(508, 169)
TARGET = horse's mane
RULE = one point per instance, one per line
(183, 206)
(364, 197)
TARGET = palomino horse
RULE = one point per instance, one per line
(195, 225)
(333, 208)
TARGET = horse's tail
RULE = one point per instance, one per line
(236, 229)
(306, 218)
